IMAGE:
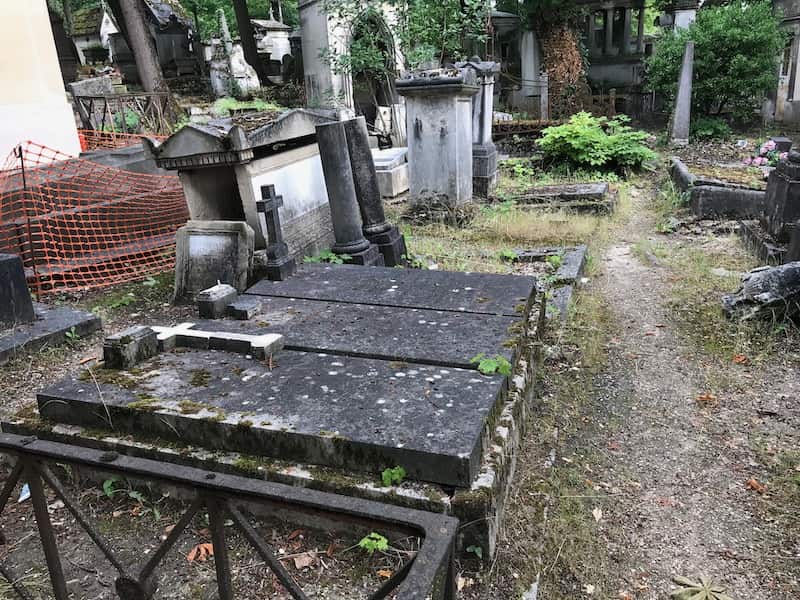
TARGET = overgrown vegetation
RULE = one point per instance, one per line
(737, 53)
(710, 128)
(596, 142)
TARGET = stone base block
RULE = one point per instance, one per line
(392, 245)
(127, 348)
(762, 244)
(393, 182)
(371, 257)
(484, 187)
(244, 309)
(211, 303)
(15, 300)
(484, 169)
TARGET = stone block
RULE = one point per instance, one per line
(244, 308)
(212, 302)
(371, 257)
(392, 245)
(211, 252)
(392, 182)
(389, 158)
(127, 348)
(15, 300)
(782, 143)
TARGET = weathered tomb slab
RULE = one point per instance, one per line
(388, 333)
(480, 293)
(589, 197)
(50, 328)
(336, 411)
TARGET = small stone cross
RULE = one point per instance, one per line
(279, 264)
(184, 336)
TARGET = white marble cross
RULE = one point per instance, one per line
(183, 335)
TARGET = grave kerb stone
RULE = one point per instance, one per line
(127, 348)
(212, 302)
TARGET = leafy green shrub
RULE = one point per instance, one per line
(736, 56)
(710, 128)
(591, 141)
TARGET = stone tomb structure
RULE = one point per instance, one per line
(775, 237)
(377, 369)
(439, 117)
(26, 325)
(224, 164)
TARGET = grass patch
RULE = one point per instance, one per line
(224, 106)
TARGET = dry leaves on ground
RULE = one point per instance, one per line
(201, 552)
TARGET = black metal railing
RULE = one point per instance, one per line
(429, 574)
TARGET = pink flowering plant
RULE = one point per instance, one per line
(768, 156)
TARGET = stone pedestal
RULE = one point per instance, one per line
(484, 152)
(347, 224)
(681, 118)
(783, 199)
(16, 306)
(439, 129)
(376, 228)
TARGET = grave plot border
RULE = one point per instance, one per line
(430, 574)
(715, 199)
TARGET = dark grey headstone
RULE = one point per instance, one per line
(353, 413)
(15, 299)
(482, 293)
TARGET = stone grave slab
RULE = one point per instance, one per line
(336, 411)
(589, 197)
(395, 334)
(48, 329)
(479, 293)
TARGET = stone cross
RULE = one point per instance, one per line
(279, 264)
(184, 336)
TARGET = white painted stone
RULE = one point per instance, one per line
(260, 345)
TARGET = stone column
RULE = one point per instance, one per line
(609, 41)
(681, 117)
(484, 152)
(376, 229)
(347, 225)
(626, 32)
(640, 32)
(439, 126)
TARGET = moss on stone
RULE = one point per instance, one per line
(105, 376)
(189, 407)
(200, 378)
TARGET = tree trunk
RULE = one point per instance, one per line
(67, 5)
(249, 40)
(142, 46)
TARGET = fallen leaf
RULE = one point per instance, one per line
(708, 399)
(306, 559)
(464, 582)
(625, 596)
(201, 552)
(295, 533)
(753, 484)
(385, 573)
(597, 513)
(740, 359)
(168, 529)
(331, 550)
(664, 501)
(295, 545)
(615, 446)
(88, 359)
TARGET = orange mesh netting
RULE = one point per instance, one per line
(92, 139)
(80, 225)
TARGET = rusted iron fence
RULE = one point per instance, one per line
(429, 574)
(153, 113)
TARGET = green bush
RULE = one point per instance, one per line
(736, 56)
(596, 142)
(710, 128)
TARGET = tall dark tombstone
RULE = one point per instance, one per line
(345, 217)
(16, 306)
(279, 265)
(376, 228)
(783, 199)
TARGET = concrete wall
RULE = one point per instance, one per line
(33, 103)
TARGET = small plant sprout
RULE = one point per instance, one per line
(327, 256)
(393, 476)
(496, 365)
(72, 336)
(476, 550)
(115, 485)
(507, 255)
(554, 261)
(372, 542)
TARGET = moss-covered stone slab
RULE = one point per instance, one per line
(336, 411)
(480, 293)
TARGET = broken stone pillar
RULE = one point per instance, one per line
(347, 224)
(484, 152)
(681, 118)
(439, 129)
(783, 199)
(376, 229)
(16, 306)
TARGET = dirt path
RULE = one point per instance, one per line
(680, 464)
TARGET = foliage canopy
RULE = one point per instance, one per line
(737, 49)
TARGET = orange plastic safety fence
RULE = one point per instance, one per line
(79, 225)
(92, 139)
